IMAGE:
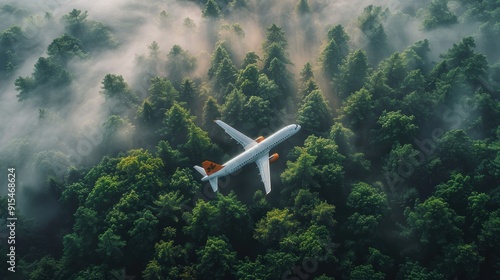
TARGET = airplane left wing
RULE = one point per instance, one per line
(241, 138)
(265, 173)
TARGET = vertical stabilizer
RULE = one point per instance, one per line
(211, 167)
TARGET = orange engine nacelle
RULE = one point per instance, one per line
(259, 139)
(274, 157)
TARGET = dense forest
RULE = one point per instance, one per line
(106, 107)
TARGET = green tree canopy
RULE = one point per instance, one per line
(248, 80)
(370, 23)
(225, 74)
(211, 112)
(456, 192)
(64, 48)
(110, 247)
(220, 53)
(232, 111)
(302, 7)
(189, 94)
(93, 34)
(179, 64)
(117, 93)
(357, 110)
(250, 58)
(396, 128)
(353, 74)
(211, 10)
(258, 113)
(162, 96)
(438, 14)
(434, 223)
(274, 226)
(306, 73)
(366, 272)
(335, 51)
(276, 58)
(367, 200)
(314, 114)
(217, 259)
(176, 125)
(301, 173)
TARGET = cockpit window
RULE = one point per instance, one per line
(296, 126)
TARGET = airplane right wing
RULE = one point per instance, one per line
(265, 173)
(241, 138)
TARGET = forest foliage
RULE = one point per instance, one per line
(394, 175)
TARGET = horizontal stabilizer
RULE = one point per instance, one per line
(200, 170)
(213, 183)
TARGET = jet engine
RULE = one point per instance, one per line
(259, 139)
(274, 157)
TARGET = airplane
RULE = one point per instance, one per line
(255, 151)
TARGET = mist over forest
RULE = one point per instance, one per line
(106, 107)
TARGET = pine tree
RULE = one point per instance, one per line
(353, 74)
(314, 114)
(220, 53)
(226, 73)
(302, 7)
(211, 10)
(232, 111)
(211, 112)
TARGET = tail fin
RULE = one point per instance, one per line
(200, 170)
(211, 167)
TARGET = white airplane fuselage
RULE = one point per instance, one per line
(255, 152)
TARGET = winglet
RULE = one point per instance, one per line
(268, 188)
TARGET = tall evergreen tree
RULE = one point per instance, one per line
(189, 93)
(250, 58)
(179, 64)
(248, 80)
(353, 74)
(220, 53)
(276, 59)
(177, 123)
(357, 109)
(331, 59)
(211, 112)
(162, 96)
(306, 73)
(211, 10)
(302, 7)
(314, 114)
(438, 14)
(370, 23)
(232, 111)
(225, 74)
